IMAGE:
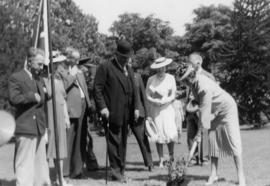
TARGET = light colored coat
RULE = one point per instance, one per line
(214, 100)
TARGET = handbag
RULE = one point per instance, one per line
(151, 130)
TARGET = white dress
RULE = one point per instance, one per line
(161, 94)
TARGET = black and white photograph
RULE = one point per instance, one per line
(134, 92)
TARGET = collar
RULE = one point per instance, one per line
(29, 73)
(119, 65)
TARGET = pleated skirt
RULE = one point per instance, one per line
(224, 136)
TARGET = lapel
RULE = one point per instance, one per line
(119, 74)
(194, 90)
(82, 83)
(40, 89)
(28, 82)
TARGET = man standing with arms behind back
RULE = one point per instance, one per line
(26, 94)
(116, 98)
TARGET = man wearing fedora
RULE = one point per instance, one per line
(116, 99)
(79, 104)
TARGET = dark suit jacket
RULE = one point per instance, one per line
(142, 101)
(30, 115)
(74, 101)
(110, 92)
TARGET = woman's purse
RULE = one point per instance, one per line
(151, 130)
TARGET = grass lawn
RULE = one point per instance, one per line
(256, 154)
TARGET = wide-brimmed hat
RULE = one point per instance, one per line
(151, 130)
(85, 61)
(183, 71)
(124, 48)
(59, 59)
(161, 62)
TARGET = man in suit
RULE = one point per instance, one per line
(138, 128)
(26, 94)
(196, 60)
(79, 104)
(116, 99)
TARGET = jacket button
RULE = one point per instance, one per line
(34, 117)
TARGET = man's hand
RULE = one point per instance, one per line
(136, 114)
(105, 113)
(37, 96)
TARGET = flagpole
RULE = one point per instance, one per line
(48, 2)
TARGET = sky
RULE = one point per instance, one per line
(177, 12)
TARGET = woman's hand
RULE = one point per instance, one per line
(67, 123)
(198, 138)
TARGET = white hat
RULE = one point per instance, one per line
(161, 62)
(7, 127)
(151, 130)
(59, 59)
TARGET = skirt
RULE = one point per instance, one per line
(224, 135)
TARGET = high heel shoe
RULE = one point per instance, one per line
(211, 181)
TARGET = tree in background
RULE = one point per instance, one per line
(248, 59)
(15, 33)
(70, 27)
(148, 35)
(208, 34)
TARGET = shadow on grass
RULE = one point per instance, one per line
(141, 163)
(7, 182)
(135, 163)
(97, 174)
(187, 179)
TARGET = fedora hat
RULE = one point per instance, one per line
(83, 61)
(7, 127)
(183, 71)
(161, 62)
(151, 130)
(124, 48)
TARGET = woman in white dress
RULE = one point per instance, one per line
(218, 113)
(160, 92)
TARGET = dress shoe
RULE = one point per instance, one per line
(78, 176)
(150, 168)
(121, 179)
(93, 169)
(211, 181)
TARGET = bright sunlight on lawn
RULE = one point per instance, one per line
(256, 153)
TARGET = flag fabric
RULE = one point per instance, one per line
(40, 33)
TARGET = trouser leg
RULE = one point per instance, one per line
(139, 131)
(41, 172)
(114, 143)
(25, 149)
(70, 144)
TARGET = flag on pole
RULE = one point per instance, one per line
(40, 32)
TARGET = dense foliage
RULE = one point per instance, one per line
(235, 43)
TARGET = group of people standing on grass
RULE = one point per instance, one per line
(30, 93)
(154, 111)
